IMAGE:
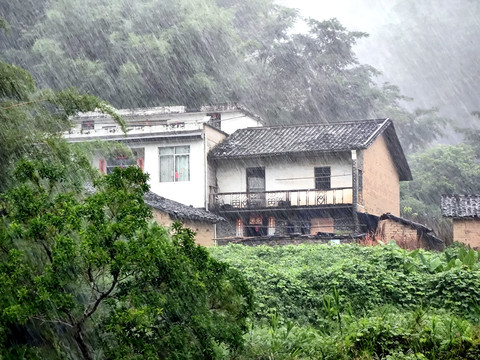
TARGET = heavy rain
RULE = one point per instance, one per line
(239, 179)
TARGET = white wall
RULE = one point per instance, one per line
(284, 173)
(186, 192)
(232, 121)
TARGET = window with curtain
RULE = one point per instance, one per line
(174, 163)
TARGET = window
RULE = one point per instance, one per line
(88, 125)
(174, 163)
(123, 160)
(215, 120)
(322, 178)
(271, 226)
(239, 228)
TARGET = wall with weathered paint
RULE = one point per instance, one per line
(325, 225)
(186, 192)
(467, 231)
(284, 173)
(213, 137)
(234, 120)
(381, 186)
(205, 231)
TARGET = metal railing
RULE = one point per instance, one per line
(281, 199)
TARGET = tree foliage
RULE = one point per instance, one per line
(87, 275)
(444, 169)
(196, 52)
(32, 120)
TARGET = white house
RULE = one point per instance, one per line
(169, 143)
(307, 178)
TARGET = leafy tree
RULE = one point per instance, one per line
(196, 52)
(444, 169)
(416, 129)
(31, 120)
(85, 274)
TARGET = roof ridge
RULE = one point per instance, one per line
(316, 124)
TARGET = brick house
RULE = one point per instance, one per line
(307, 179)
(406, 233)
(464, 210)
(167, 211)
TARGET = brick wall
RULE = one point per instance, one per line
(204, 230)
(404, 235)
(325, 225)
(381, 186)
(467, 231)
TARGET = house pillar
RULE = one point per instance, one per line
(356, 224)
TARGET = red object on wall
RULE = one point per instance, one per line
(102, 166)
(140, 163)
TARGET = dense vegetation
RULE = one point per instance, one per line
(85, 274)
(345, 302)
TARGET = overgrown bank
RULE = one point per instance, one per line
(350, 302)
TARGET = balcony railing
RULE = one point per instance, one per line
(109, 130)
(281, 199)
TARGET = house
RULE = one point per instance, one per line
(406, 233)
(307, 179)
(167, 211)
(464, 210)
(169, 143)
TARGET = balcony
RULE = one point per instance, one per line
(109, 130)
(281, 199)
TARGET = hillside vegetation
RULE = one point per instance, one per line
(351, 302)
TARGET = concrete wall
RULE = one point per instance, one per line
(234, 120)
(186, 192)
(212, 138)
(205, 231)
(467, 231)
(284, 173)
(381, 186)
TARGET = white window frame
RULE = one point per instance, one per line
(175, 157)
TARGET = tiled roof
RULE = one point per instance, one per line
(404, 221)
(180, 211)
(460, 205)
(334, 137)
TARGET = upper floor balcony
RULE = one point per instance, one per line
(108, 130)
(234, 201)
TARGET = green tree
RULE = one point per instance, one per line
(444, 169)
(87, 275)
(31, 121)
(314, 77)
